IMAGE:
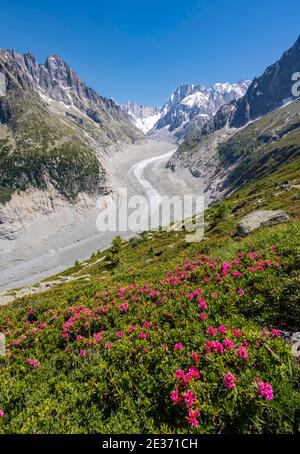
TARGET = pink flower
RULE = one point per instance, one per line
(16, 342)
(237, 274)
(228, 344)
(192, 418)
(120, 334)
(242, 353)
(143, 336)
(175, 397)
(82, 352)
(195, 293)
(211, 331)
(108, 346)
(2, 413)
(265, 390)
(202, 304)
(79, 337)
(189, 398)
(222, 329)
(179, 346)
(147, 324)
(33, 363)
(217, 347)
(43, 325)
(203, 316)
(229, 381)
(225, 267)
(123, 307)
(179, 374)
(275, 332)
(195, 357)
(241, 292)
(98, 337)
(131, 328)
(193, 372)
(236, 332)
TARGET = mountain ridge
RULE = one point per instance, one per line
(54, 130)
(188, 108)
(249, 135)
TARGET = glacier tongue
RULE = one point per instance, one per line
(142, 117)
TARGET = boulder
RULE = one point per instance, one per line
(260, 218)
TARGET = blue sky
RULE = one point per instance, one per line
(142, 50)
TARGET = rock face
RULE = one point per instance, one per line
(32, 205)
(57, 80)
(269, 91)
(260, 218)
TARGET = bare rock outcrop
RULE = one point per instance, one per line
(260, 218)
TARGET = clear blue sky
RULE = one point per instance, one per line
(142, 50)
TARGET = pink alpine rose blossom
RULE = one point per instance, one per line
(229, 381)
(202, 304)
(179, 374)
(179, 346)
(242, 353)
(175, 397)
(189, 398)
(222, 329)
(33, 363)
(211, 331)
(195, 357)
(228, 344)
(265, 390)
(192, 417)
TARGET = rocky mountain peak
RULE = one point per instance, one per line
(191, 106)
(271, 90)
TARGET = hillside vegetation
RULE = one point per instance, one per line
(231, 158)
(167, 336)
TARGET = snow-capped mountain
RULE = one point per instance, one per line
(143, 117)
(191, 106)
